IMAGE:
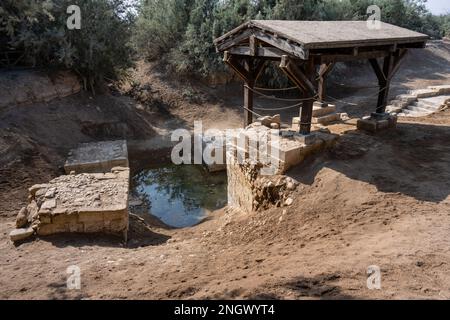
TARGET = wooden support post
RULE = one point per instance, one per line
(391, 64)
(324, 71)
(248, 69)
(307, 108)
(305, 81)
(248, 94)
(385, 84)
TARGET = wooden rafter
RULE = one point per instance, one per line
(324, 71)
(303, 80)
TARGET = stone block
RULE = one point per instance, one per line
(442, 90)
(92, 227)
(377, 122)
(425, 93)
(49, 229)
(323, 111)
(118, 225)
(64, 219)
(21, 234)
(91, 217)
(305, 138)
(326, 119)
(97, 157)
(367, 125)
(22, 218)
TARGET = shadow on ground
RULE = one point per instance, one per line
(411, 160)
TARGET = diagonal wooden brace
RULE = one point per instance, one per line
(303, 80)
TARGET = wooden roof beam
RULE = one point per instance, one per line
(263, 52)
(285, 45)
(297, 76)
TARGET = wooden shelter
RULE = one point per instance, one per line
(307, 51)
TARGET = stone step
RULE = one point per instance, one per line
(425, 93)
(426, 102)
(419, 109)
(323, 111)
(327, 119)
(444, 89)
(410, 113)
(427, 106)
(408, 98)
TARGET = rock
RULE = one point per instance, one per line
(289, 201)
(275, 126)
(22, 218)
(50, 193)
(33, 211)
(49, 204)
(21, 234)
(36, 188)
(290, 186)
(267, 121)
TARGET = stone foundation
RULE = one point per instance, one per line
(85, 203)
(250, 187)
(97, 157)
(377, 122)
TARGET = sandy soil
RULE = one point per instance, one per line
(371, 200)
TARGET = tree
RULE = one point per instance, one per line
(99, 49)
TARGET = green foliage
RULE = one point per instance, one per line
(181, 32)
(177, 32)
(99, 49)
(160, 24)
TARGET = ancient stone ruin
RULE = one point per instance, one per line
(91, 202)
(261, 183)
(97, 157)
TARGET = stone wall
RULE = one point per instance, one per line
(97, 157)
(85, 203)
(249, 187)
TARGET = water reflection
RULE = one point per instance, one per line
(181, 196)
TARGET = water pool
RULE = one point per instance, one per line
(180, 196)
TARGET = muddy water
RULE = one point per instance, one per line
(180, 196)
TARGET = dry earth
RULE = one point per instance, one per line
(372, 200)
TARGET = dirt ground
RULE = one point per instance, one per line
(371, 200)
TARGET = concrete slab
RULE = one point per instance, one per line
(97, 157)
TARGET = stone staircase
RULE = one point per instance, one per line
(419, 103)
(323, 115)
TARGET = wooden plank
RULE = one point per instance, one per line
(378, 72)
(248, 93)
(296, 75)
(307, 108)
(398, 59)
(266, 52)
(283, 44)
(234, 41)
(324, 71)
(327, 58)
(234, 64)
(252, 45)
(383, 95)
(303, 80)
(258, 68)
